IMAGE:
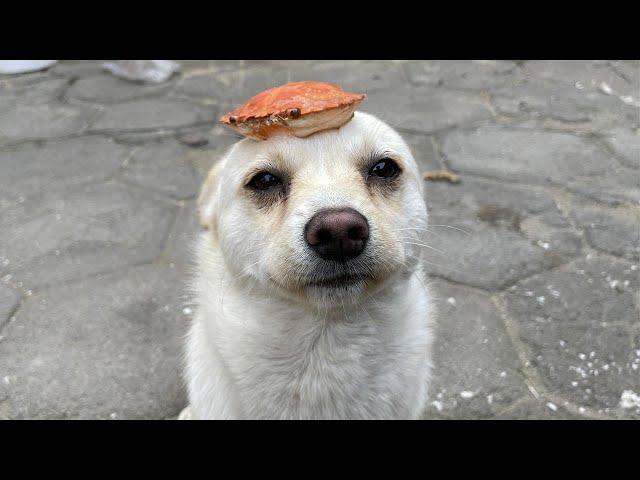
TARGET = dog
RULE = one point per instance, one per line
(310, 296)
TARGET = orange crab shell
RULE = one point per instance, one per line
(299, 108)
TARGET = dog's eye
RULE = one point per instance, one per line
(385, 168)
(264, 181)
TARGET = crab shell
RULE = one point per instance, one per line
(299, 108)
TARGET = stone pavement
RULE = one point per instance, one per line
(537, 287)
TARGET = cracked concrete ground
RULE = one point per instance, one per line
(537, 289)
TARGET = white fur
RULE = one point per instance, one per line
(262, 346)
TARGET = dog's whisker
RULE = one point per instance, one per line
(453, 228)
(443, 266)
(425, 246)
(410, 228)
(424, 286)
(417, 229)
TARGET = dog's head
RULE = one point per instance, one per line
(323, 218)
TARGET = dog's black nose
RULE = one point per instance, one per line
(337, 234)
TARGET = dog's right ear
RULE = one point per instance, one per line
(208, 198)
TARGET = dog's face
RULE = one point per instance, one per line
(323, 218)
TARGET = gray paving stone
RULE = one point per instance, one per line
(491, 251)
(107, 347)
(189, 66)
(425, 110)
(181, 241)
(588, 74)
(560, 242)
(30, 89)
(553, 218)
(219, 143)
(217, 137)
(78, 68)
(290, 64)
(193, 139)
(33, 93)
(423, 150)
(205, 85)
(7, 100)
(524, 155)
(537, 409)
(462, 74)
(59, 237)
(489, 258)
(149, 114)
(475, 368)
(232, 88)
(478, 195)
(575, 321)
(235, 84)
(107, 88)
(43, 121)
(617, 185)
(362, 77)
(9, 300)
(615, 231)
(24, 79)
(561, 102)
(141, 137)
(629, 70)
(626, 143)
(55, 166)
(163, 167)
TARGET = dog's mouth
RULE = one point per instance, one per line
(339, 281)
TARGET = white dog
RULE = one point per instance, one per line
(310, 296)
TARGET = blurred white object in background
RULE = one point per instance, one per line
(156, 71)
(24, 66)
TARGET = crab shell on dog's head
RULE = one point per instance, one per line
(260, 233)
(297, 108)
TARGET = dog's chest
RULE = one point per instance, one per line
(341, 370)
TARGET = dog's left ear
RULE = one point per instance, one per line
(207, 200)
